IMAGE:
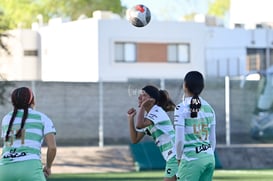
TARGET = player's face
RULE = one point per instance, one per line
(142, 97)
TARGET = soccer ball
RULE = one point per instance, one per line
(139, 15)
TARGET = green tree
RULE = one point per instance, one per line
(4, 84)
(189, 17)
(73, 9)
(24, 12)
(219, 8)
(3, 27)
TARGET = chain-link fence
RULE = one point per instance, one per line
(96, 113)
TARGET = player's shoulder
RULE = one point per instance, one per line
(180, 106)
(156, 109)
(206, 103)
(34, 111)
(6, 118)
(39, 113)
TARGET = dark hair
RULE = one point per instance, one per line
(194, 82)
(21, 98)
(161, 97)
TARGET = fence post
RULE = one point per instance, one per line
(101, 143)
(227, 109)
(162, 84)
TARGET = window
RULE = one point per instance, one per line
(152, 52)
(256, 59)
(125, 52)
(271, 57)
(178, 53)
(31, 53)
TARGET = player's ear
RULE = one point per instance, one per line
(184, 86)
(32, 104)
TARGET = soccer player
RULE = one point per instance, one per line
(23, 131)
(154, 121)
(195, 139)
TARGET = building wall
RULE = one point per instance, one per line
(23, 62)
(83, 51)
(155, 32)
(226, 49)
(70, 51)
(240, 11)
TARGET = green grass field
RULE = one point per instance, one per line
(219, 175)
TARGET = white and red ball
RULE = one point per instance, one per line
(139, 15)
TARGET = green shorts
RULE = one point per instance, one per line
(29, 170)
(195, 170)
(171, 168)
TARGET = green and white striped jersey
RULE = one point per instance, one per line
(29, 145)
(162, 131)
(198, 138)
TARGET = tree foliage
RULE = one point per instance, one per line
(3, 28)
(24, 12)
(219, 8)
(4, 84)
(189, 17)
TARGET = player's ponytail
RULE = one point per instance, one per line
(195, 106)
(165, 101)
(194, 82)
(10, 123)
(21, 98)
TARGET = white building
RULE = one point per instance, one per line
(238, 51)
(250, 14)
(114, 50)
(94, 49)
(24, 62)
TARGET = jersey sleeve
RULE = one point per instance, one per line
(48, 125)
(4, 125)
(179, 116)
(153, 115)
(2, 130)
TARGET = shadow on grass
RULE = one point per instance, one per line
(105, 179)
(220, 175)
(130, 176)
(249, 177)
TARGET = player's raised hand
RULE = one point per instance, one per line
(131, 112)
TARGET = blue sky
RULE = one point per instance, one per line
(258, 10)
(170, 9)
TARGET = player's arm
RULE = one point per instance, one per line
(179, 132)
(51, 153)
(212, 137)
(135, 135)
(179, 141)
(142, 122)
